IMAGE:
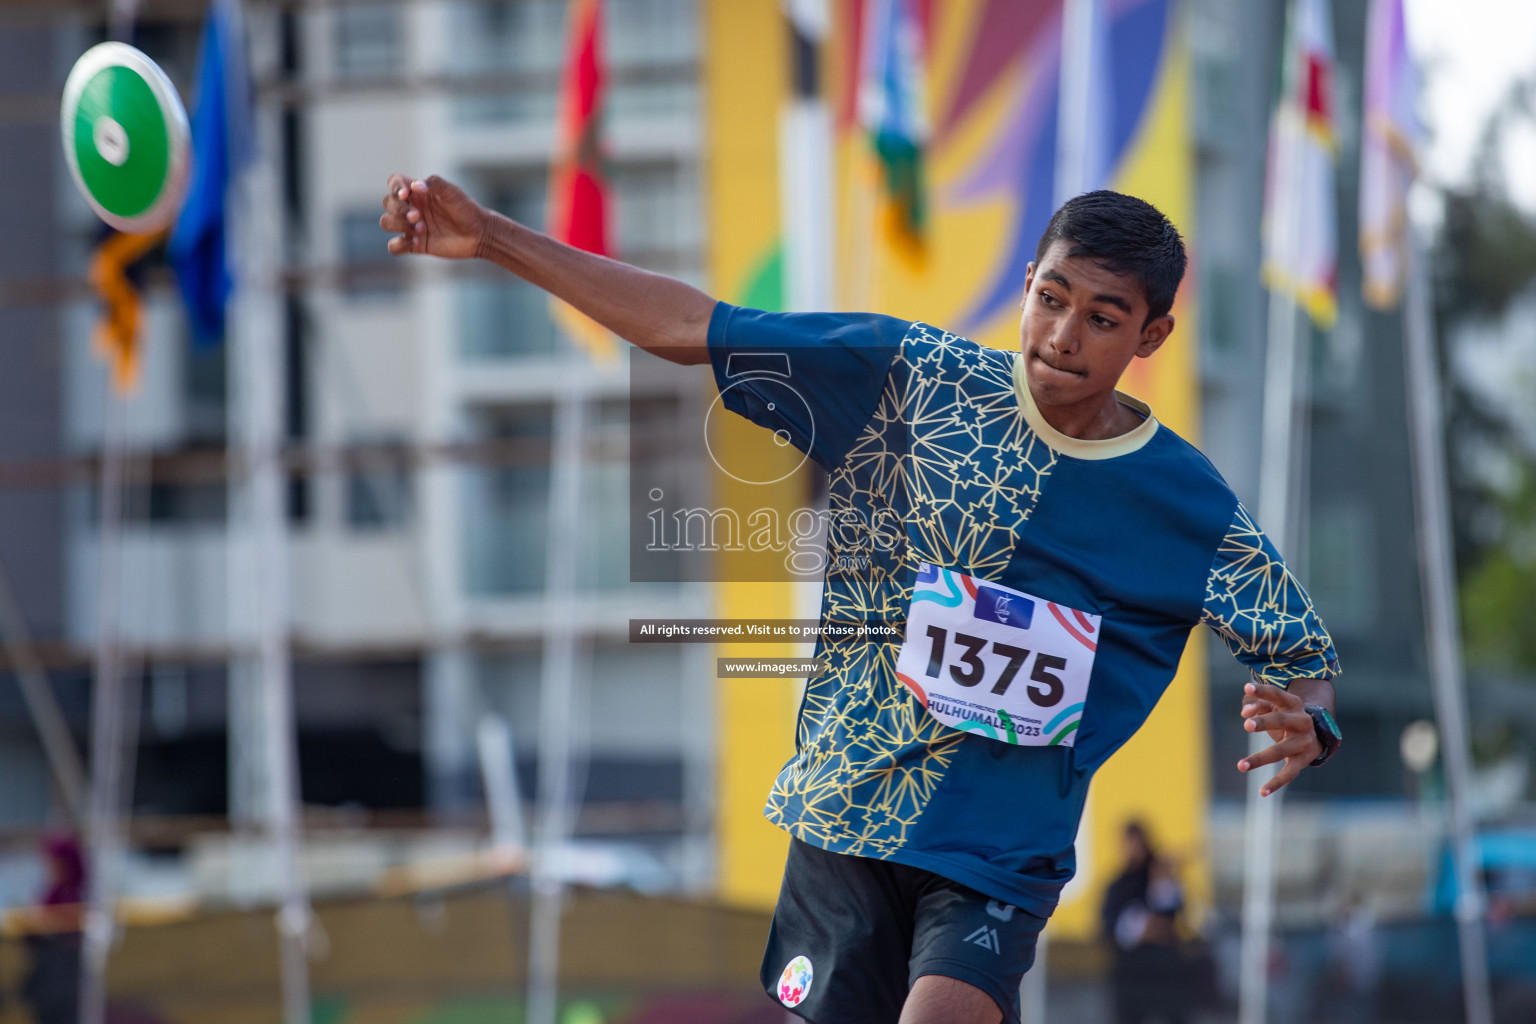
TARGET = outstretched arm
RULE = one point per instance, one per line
(656, 312)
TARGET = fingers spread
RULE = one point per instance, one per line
(1274, 694)
(1271, 721)
(1288, 747)
(1259, 758)
(1284, 777)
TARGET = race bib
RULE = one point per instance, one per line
(988, 659)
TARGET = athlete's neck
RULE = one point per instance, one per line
(1095, 419)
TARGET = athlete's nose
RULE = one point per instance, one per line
(1065, 338)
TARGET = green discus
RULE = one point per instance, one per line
(125, 137)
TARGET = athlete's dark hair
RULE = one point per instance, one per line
(1124, 235)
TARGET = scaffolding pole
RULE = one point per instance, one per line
(257, 372)
(42, 706)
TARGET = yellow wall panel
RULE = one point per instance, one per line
(745, 73)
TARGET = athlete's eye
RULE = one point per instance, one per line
(1105, 322)
(1049, 299)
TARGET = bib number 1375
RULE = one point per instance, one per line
(970, 669)
(988, 659)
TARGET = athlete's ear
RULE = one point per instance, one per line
(1029, 279)
(1153, 335)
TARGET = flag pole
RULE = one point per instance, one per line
(1079, 142)
(1277, 469)
(262, 354)
(1262, 813)
(578, 141)
(106, 725)
(107, 713)
(805, 165)
(1444, 630)
(556, 700)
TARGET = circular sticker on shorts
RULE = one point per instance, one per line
(795, 982)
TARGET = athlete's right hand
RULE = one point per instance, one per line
(433, 216)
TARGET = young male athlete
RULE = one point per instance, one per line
(1055, 547)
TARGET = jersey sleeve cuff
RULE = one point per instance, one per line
(1320, 667)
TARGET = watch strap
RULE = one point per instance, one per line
(1328, 732)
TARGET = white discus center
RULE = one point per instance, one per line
(111, 141)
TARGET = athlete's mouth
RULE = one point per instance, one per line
(1049, 366)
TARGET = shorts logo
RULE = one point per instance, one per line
(795, 982)
(986, 938)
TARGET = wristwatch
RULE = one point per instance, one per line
(1328, 733)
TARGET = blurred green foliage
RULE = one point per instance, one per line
(1498, 593)
(1483, 259)
(1486, 252)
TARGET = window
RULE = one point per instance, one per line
(652, 48)
(205, 376)
(510, 35)
(652, 32)
(501, 315)
(186, 503)
(1342, 564)
(1221, 294)
(379, 495)
(368, 270)
(506, 504)
(626, 715)
(368, 40)
(656, 213)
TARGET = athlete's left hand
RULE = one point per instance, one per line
(1280, 713)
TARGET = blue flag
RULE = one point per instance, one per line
(220, 146)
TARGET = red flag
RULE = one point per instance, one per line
(578, 190)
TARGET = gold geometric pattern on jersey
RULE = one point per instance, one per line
(948, 458)
(1254, 604)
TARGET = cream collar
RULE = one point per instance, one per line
(1076, 447)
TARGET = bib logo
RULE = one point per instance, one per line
(795, 982)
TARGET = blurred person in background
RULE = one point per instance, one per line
(51, 989)
(1354, 944)
(1151, 979)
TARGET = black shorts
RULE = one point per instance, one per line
(852, 935)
